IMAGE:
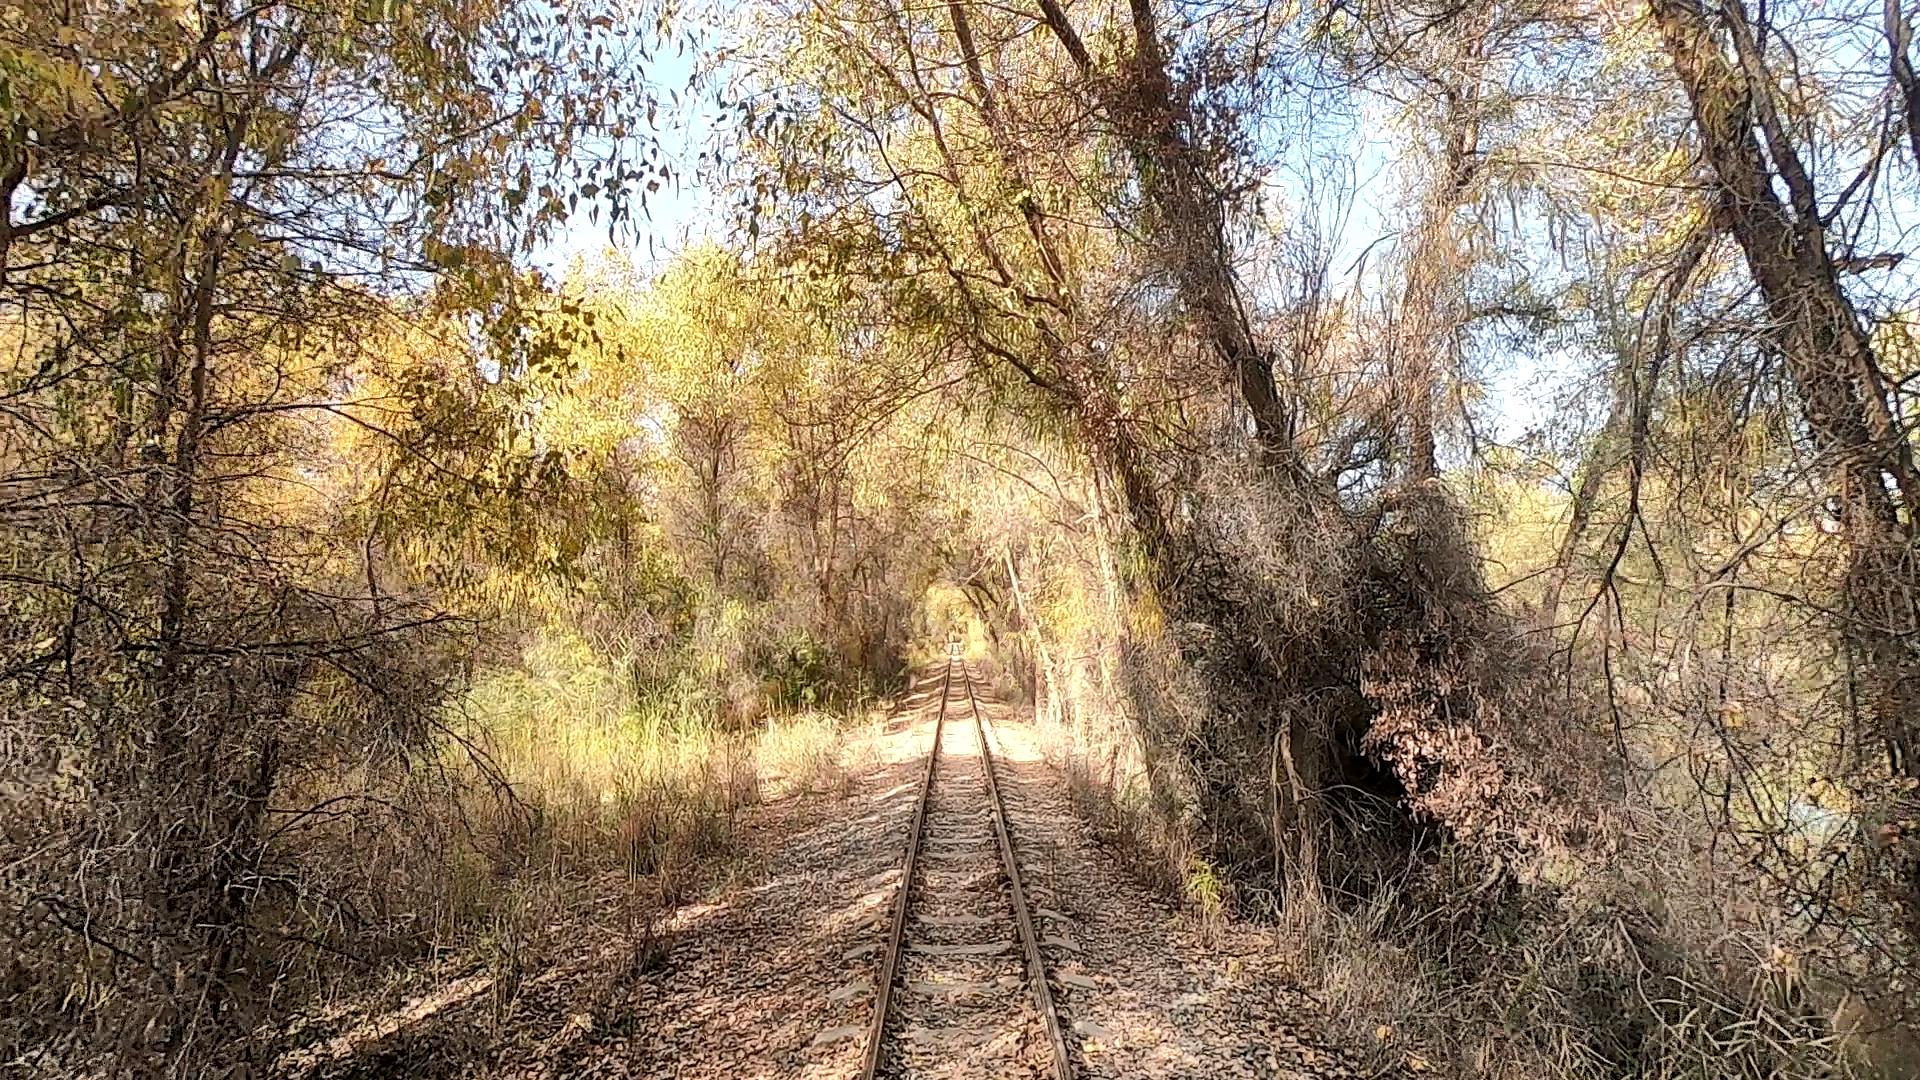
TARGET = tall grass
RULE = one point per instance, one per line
(645, 779)
(568, 792)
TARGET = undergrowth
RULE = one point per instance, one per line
(1543, 924)
(566, 784)
(617, 775)
(1602, 980)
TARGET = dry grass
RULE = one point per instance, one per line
(652, 785)
(1576, 991)
(580, 788)
(805, 754)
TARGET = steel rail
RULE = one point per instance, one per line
(1036, 965)
(890, 963)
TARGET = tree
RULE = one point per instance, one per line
(1768, 198)
(215, 216)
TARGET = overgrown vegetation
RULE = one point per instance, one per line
(1487, 551)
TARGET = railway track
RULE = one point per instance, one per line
(962, 988)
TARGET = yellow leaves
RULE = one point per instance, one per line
(1895, 345)
(184, 14)
(1203, 887)
(1733, 714)
(40, 86)
(1827, 795)
(1147, 619)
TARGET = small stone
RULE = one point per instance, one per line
(851, 990)
(835, 1034)
(1087, 1029)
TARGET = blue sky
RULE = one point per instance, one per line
(680, 213)
(1367, 154)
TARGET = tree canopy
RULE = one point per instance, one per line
(1393, 446)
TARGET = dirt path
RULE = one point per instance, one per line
(769, 979)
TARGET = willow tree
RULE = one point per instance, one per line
(1063, 193)
(212, 214)
(1749, 120)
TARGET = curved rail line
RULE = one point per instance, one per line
(903, 903)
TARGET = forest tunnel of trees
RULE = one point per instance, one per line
(1443, 475)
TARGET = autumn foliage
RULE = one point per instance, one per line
(1442, 474)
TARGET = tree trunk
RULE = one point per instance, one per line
(1828, 354)
(1899, 33)
(1434, 301)
(1189, 221)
